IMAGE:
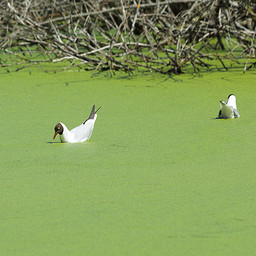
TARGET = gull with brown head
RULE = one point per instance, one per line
(80, 133)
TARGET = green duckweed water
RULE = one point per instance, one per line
(160, 175)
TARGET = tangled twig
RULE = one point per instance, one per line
(162, 36)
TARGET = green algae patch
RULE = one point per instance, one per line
(159, 176)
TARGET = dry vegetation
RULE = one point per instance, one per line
(161, 36)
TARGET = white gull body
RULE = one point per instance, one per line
(228, 109)
(80, 133)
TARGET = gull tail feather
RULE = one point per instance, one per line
(98, 109)
(91, 116)
(93, 112)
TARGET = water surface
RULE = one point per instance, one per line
(160, 175)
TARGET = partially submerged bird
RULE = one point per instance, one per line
(228, 109)
(80, 133)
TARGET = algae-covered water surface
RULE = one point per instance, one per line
(159, 176)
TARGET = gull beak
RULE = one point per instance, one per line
(55, 135)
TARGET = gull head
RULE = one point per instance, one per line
(58, 130)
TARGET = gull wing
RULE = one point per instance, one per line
(236, 113)
(93, 112)
(83, 132)
(219, 114)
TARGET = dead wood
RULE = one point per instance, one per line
(161, 36)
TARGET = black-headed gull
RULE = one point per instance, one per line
(80, 133)
(228, 109)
